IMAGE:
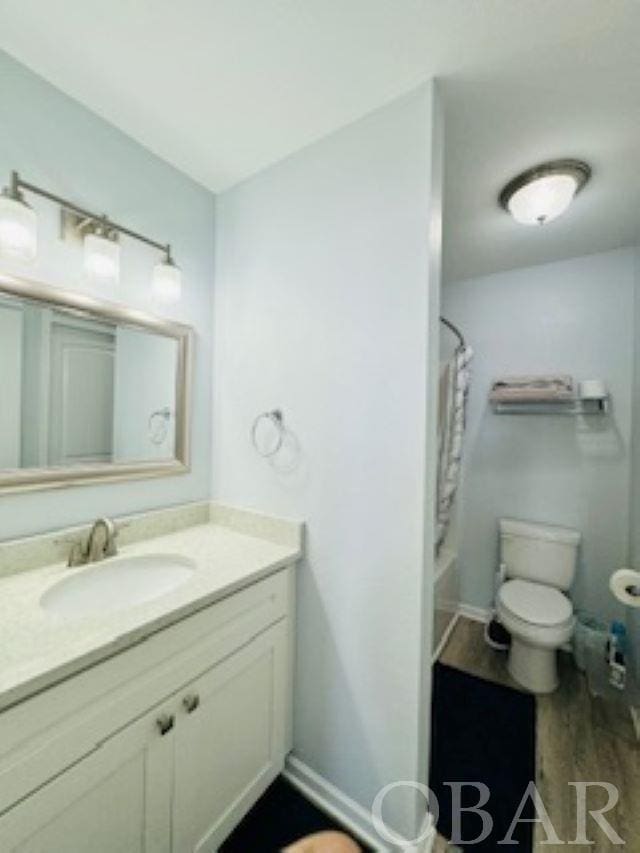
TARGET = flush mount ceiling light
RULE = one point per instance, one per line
(18, 231)
(543, 193)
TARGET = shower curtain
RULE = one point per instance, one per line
(454, 389)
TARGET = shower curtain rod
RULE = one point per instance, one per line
(456, 331)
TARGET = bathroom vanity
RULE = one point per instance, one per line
(154, 727)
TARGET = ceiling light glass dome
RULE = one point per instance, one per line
(543, 193)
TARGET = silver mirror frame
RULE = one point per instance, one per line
(83, 305)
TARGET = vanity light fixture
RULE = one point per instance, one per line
(544, 192)
(18, 230)
(167, 280)
(102, 254)
(18, 224)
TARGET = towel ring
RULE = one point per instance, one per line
(276, 418)
(158, 425)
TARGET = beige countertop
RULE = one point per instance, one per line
(38, 648)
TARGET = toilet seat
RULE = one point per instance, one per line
(540, 620)
(535, 604)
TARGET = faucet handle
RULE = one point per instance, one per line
(77, 554)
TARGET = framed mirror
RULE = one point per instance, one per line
(91, 391)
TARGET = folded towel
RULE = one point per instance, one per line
(532, 389)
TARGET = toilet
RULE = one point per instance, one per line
(537, 565)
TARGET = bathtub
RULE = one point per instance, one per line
(446, 598)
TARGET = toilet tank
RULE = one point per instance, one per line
(539, 552)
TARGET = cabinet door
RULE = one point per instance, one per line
(116, 800)
(229, 741)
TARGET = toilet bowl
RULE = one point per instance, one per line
(540, 620)
(537, 566)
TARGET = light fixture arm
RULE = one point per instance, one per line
(18, 184)
(14, 190)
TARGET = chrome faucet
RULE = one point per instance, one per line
(100, 544)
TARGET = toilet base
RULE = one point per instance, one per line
(532, 667)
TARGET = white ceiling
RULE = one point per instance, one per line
(224, 88)
(583, 101)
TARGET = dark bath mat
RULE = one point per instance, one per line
(281, 816)
(483, 732)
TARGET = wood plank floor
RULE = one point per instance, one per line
(578, 740)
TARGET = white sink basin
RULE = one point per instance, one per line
(117, 584)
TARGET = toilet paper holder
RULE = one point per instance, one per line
(625, 586)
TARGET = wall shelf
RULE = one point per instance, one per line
(576, 407)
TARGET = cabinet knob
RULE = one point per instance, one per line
(191, 702)
(165, 723)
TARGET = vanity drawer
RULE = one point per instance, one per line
(43, 735)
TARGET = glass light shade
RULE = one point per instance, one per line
(101, 259)
(18, 229)
(167, 282)
(542, 199)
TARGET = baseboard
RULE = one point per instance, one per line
(330, 799)
(478, 614)
(345, 810)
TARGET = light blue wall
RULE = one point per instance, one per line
(634, 533)
(53, 141)
(323, 287)
(633, 616)
(575, 317)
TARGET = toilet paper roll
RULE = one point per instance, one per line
(592, 389)
(625, 585)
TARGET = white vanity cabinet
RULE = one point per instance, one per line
(231, 745)
(117, 798)
(163, 747)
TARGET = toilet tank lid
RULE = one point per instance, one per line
(532, 530)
